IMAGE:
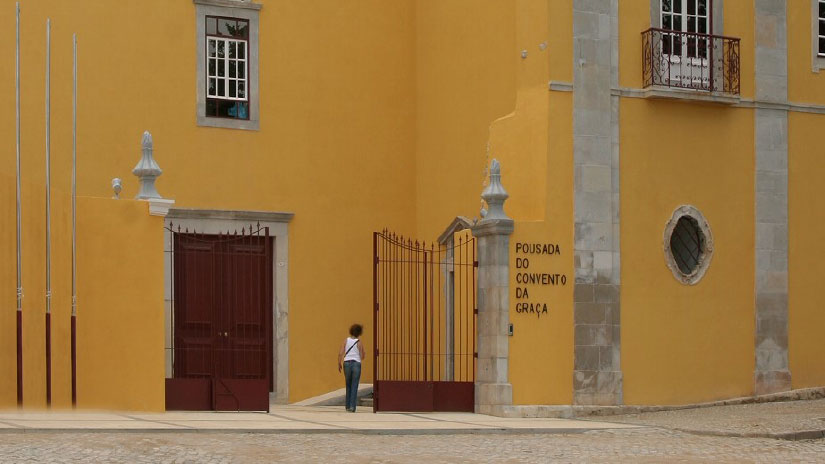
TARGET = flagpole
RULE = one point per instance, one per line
(19, 221)
(48, 218)
(74, 224)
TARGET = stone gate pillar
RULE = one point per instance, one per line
(493, 391)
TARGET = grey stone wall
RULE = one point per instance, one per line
(771, 339)
(597, 377)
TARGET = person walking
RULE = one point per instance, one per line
(349, 360)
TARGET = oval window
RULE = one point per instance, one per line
(688, 244)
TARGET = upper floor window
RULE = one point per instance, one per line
(227, 45)
(227, 63)
(690, 16)
(821, 28)
(683, 49)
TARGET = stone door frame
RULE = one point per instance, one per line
(220, 221)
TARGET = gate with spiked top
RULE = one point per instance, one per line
(424, 323)
(219, 327)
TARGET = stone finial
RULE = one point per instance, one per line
(494, 194)
(147, 170)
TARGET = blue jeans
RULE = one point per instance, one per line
(352, 375)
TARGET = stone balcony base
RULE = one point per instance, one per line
(675, 93)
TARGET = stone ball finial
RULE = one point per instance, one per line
(117, 187)
(494, 194)
(147, 170)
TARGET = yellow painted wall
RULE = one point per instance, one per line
(336, 145)
(34, 236)
(806, 212)
(120, 327)
(634, 18)
(740, 20)
(686, 344)
(804, 85)
(541, 348)
(478, 100)
(683, 344)
(337, 135)
(120, 302)
(8, 345)
(465, 63)
(345, 109)
(534, 145)
(560, 32)
(34, 290)
(385, 114)
(559, 223)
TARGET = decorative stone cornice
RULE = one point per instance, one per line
(707, 97)
(258, 216)
(245, 4)
(160, 206)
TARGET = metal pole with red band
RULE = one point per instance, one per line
(48, 217)
(74, 224)
(19, 220)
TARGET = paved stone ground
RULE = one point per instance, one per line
(780, 418)
(659, 441)
(628, 445)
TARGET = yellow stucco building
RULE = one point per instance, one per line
(665, 152)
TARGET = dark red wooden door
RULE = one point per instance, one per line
(246, 319)
(222, 323)
(196, 328)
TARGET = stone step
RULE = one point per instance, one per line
(336, 398)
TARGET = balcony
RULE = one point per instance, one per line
(690, 65)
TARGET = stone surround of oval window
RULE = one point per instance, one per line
(687, 245)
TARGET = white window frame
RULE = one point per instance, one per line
(229, 63)
(716, 12)
(817, 60)
(683, 61)
(240, 9)
(715, 26)
(684, 20)
(820, 20)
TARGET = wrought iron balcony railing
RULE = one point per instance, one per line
(689, 60)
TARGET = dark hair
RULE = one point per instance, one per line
(356, 330)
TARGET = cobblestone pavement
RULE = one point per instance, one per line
(746, 419)
(627, 445)
(669, 436)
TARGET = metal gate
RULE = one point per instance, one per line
(424, 322)
(219, 342)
